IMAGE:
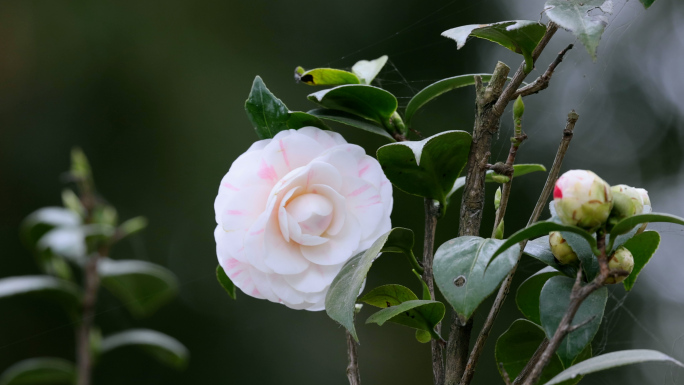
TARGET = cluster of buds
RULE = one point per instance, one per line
(583, 199)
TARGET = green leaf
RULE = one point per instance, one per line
(553, 303)
(298, 119)
(584, 253)
(418, 314)
(367, 70)
(162, 347)
(267, 113)
(422, 316)
(459, 269)
(642, 247)
(225, 282)
(612, 360)
(584, 18)
(628, 223)
(362, 100)
(132, 226)
(518, 170)
(340, 300)
(647, 3)
(539, 249)
(143, 287)
(423, 336)
(351, 120)
(325, 77)
(43, 286)
(527, 296)
(427, 168)
(41, 221)
(520, 36)
(542, 228)
(516, 346)
(438, 88)
(40, 371)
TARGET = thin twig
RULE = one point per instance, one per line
(353, 367)
(536, 213)
(432, 211)
(83, 353)
(542, 82)
(506, 378)
(520, 74)
(522, 376)
(577, 296)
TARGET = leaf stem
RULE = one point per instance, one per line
(83, 348)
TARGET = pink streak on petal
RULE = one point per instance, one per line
(235, 274)
(232, 263)
(384, 182)
(256, 293)
(359, 190)
(235, 212)
(230, 186)
(257, 232)
(363, 170)
(368, 205)
(282, 149)
(267, 172)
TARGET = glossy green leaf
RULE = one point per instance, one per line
(418, 314)
(642, 247)
(527, 296)
(367, 70)
(427, 168)
(438, 88)
(459, 269)
(325, 77)
(586, 256)
(267, 113)
(516, 346)
(518, 170)
(340, 300)
(298, 119)
(586, 19)
(162, 347)
(142, 287)
(362, 100)
(350, 120)
(42, 286)
(422, 316)
(628, 223)
(647, 3)
(225, 282)
(612, 360)
(40, 371)
(520, 36)
(539, 249)
(539, 229)
(553, 303)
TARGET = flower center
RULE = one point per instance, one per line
(313, 212)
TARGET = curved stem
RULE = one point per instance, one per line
(83, 351)
(353, 374)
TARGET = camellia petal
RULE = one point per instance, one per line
(293, 209)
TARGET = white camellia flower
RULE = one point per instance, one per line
(582, 199)
(293, 209)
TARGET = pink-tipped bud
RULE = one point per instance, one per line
(582, 199)
(623, 260)
(561, 249)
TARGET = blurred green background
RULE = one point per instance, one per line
(153, 91)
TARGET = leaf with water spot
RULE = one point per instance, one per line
(586, 19)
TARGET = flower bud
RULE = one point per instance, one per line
(497, 199)
(627, 201)
(622, 259)
(647, 207)
(582, 199)
(561, 249)
(518, 108)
